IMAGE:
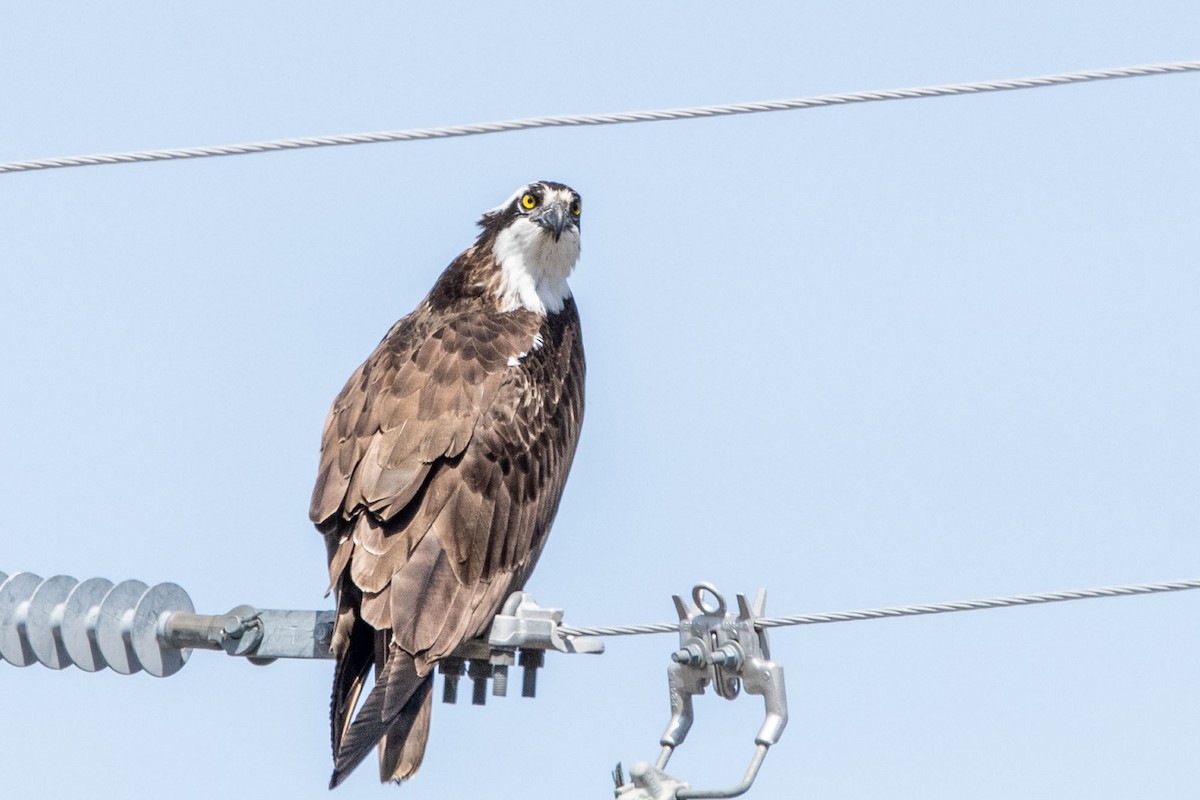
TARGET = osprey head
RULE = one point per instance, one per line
(536, 245)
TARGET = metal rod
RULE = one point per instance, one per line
(751, 773)
(181, 629)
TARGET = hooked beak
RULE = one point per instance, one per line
(553, 218)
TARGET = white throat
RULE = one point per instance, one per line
(533, 267)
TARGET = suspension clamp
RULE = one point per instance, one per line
(729, 651)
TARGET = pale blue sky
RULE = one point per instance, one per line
(882, 354)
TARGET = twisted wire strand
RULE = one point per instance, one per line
(909, 611)
(659, 115)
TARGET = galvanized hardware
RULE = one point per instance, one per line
(501, 661)
(130, 627)
(727, 650)
(520, 634)
(523, 623)
(646, 782)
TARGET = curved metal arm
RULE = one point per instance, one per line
(733, 791)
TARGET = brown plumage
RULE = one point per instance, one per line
(442, 464)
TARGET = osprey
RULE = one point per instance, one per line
(442, 464)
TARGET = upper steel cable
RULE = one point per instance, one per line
(908, 611)
(693, 112)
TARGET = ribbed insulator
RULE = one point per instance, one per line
(92, 624)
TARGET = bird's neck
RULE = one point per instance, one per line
(533, 270)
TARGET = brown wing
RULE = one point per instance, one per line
(442, 467)
(415, 400)
(491, 509)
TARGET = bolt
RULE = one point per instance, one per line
(692, 656)
(479, 671)
(500, 680)
(233, 627)
(728, 656)
(501, 661)
(531, 660)
(452, 669)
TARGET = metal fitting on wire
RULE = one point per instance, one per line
(520, 635)
(731, 652)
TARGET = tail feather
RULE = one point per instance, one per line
(399, 679)
(348, 679)
(403, 746)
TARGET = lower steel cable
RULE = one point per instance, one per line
(911, 611)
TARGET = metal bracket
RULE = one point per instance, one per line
(521, 625)
(730, 652)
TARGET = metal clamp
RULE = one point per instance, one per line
(522, 625)
(730, 652)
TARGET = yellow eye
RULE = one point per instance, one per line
(576, 208)
(528, 201)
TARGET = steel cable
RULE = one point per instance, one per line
(909, 611)
(573, 120)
